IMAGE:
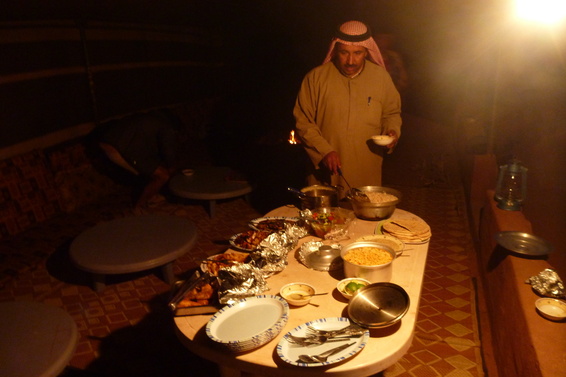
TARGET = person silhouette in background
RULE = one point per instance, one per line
(147, 146)
(393, 61)
(343, 103)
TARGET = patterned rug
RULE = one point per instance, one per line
(127, 329)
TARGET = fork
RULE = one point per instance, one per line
(311, 340)
(351, 329)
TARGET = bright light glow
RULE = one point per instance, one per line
(542, 11)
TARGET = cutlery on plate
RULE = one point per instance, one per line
(322, 357)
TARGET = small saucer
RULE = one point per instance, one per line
(551, 308)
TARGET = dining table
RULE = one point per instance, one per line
(385, 345)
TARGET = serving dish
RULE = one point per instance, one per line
(373, 273)
(289, 352)
(379, 305)
(248, 323)
(248, 240)
(551, 308)
(374, 211)
(412, 231)
(523, 243)
(330, 222)
(214, 262)
(350, 286)
(297, 294)
(393, 242)
(272, 224)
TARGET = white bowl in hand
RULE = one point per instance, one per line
(382, 140)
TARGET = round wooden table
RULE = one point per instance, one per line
(36, 340)
(209, 183)
(133, 244)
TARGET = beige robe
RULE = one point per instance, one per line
(337, 113)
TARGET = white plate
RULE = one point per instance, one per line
(290, 352)
(249, 323)
(399, 245)
(254, 223)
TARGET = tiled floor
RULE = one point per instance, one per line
(127, 330)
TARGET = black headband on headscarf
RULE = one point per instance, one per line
(353, 38)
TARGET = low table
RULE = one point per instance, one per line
(384, 347)
(133, 244)
(36, 340)
(209, 183)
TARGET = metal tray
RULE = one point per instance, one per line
(523, 243)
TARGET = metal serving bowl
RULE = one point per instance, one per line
(378, 305)
(375, 211)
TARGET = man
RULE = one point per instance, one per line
(342, 104)
(146, 145)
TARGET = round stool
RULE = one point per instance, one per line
(36, 340)
(133, 244)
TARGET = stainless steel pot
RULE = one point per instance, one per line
(374, 211)
(320, 196)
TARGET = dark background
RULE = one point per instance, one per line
(495, 85)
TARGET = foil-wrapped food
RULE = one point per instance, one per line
(547, 283)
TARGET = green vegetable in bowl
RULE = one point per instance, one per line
(353, 286)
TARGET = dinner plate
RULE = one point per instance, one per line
(379, 230)
(249, 323)
(255, 224)
(290, 352)
(523, 243)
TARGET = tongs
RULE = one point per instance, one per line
(356, 193)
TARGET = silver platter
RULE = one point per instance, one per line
(523, 243)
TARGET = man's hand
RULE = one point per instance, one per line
(395, 139)
(332, 162)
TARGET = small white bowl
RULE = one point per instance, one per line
(291, 293)
(382, 140)
(551, 308)
(341, 286)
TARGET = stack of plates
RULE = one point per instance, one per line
(413, 230)
(249, 323)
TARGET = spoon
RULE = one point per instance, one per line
(321, 358)
(300, 296)
(299, 193)
(358, 194)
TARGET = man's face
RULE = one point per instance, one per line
(349, 59)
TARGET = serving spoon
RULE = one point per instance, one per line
(356, 192)
(300, 296)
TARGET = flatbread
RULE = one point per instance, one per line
(408, 230)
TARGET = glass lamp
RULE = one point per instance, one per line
(511, 189)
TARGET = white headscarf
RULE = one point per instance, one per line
(356, 33)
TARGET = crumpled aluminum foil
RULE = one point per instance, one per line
(240, 281)
(249, 279)
(547, 283)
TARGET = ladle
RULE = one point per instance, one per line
(358, 194)
(299, 193)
